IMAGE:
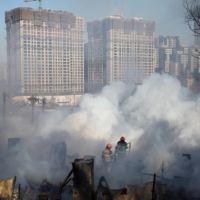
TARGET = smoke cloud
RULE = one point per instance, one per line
(160, 118)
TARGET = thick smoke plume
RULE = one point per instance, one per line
(160, 118)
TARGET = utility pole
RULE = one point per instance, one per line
(141, 167)
(43, 104)
(5, 97)
(74, 98)
(162, 170)
(19, 192)
(33, 100)
(60, 190)
(153, 188)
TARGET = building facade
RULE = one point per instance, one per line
(156, 58)
(3, 71)
(178, 60)
(45, 50)
(119, 50)
(194, 61)
(166, 46)
(86, 67)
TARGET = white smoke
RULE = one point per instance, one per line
(99, 116)
(160, 118)
(116, 111)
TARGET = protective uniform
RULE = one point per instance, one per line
(107, 158)
(120, 149)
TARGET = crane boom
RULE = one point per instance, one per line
(40, 2)
(119, 12)
(108, 10)
(124, 6)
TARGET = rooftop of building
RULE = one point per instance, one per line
(120, 17)
(39, 10)
(169, 36)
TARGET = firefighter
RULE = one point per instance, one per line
(120, 149)
(107, 158)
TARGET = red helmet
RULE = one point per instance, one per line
(109, 145)
(122, 138)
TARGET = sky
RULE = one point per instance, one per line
(167, 14)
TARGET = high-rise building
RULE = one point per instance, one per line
(3, 71)
(174, 68)
(180, 56)
(45, 50)
(167, 41)
(86, 67)
(119, 50)
(194, 61)
(164, 58)
(156, 58)
(187, 80)
(166, 46)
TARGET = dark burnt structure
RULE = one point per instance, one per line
(83, 170)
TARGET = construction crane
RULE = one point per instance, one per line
(40, 3)
(119, 12)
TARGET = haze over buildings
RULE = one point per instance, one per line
(45, 52)
(119, 49)
(177, 59)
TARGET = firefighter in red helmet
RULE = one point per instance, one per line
(107, 158)
(120, 149)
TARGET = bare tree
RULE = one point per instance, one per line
(192, 15)
(192, 18)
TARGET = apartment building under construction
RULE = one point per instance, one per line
(119, 50)
(45, 50)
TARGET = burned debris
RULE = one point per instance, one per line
(83, 187)
(83, 170)
(7, 188)
(86, 180)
